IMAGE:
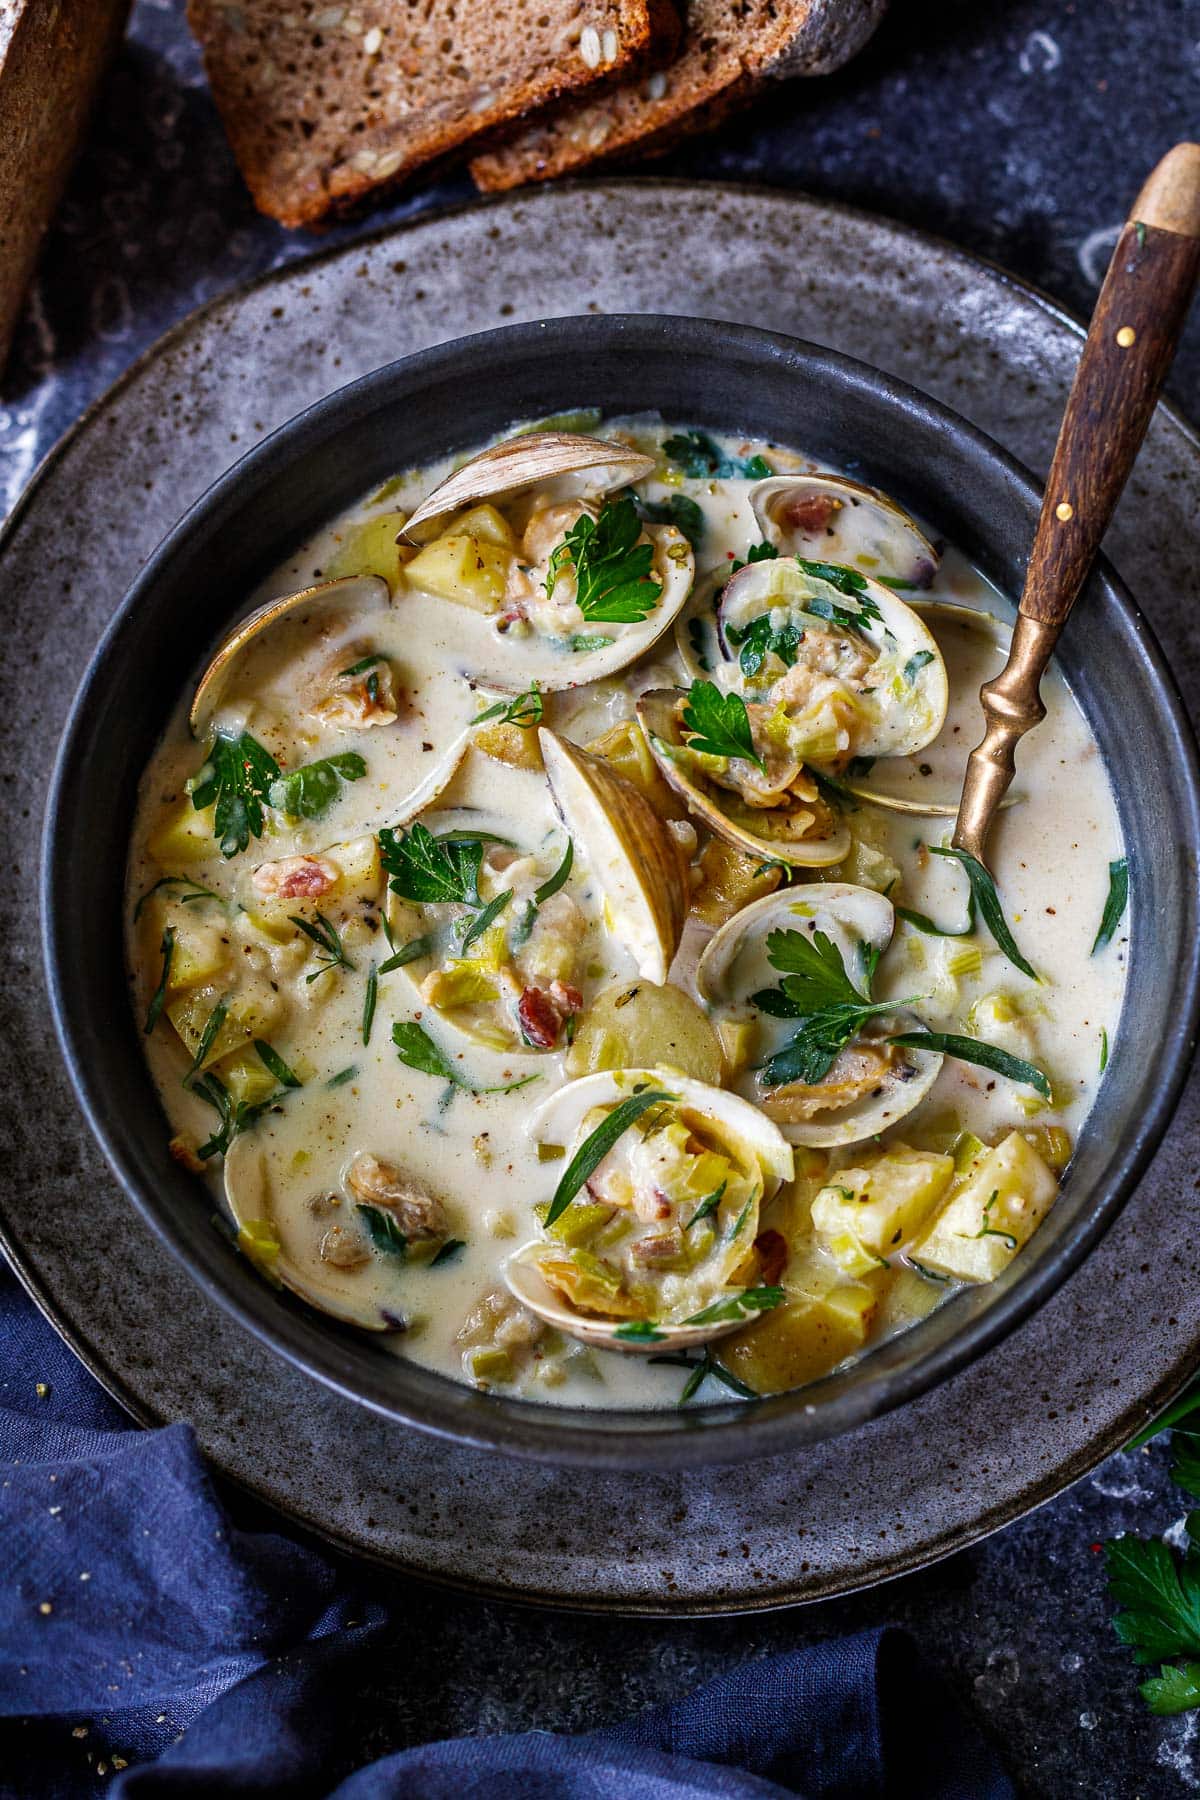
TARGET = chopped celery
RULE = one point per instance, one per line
(491, 1364)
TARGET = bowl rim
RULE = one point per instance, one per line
(533, 1429)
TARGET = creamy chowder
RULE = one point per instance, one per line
(547, 938)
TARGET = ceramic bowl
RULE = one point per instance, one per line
(449, 399)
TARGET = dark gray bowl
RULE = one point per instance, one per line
(448, 399)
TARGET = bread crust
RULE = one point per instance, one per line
(323, 103)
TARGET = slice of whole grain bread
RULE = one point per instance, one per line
(730, 48)
(324, 102)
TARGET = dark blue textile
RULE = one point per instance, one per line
(142, 1632)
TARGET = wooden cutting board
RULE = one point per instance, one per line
(52, 55)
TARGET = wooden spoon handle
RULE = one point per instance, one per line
(1134, 331)
(1130, 343)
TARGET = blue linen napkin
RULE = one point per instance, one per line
(149, 1647)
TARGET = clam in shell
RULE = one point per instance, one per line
(634, 856)
(872, 1083)
(829, 518)
(288, 1251)
(596, 1274)
(353, 594)
(527, 461)
(801, 831)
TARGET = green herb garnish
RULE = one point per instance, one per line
(701, 457)
(973, 1050)
(234, 1117)
(158, 998)
(986, 1230)
(915, 664)
(596, 1146)
(738, 1306)
(212, 1025)
(310, 790)
(418, 1051)
(431, 870)
(370, 1001)
(1114, 906)
(361, 667)
(686, 516)
(486, 917)
(236, 776)
(525, 711)
(342, 1076)
(640, 1331)
(708, 1205)
(448, 1251)
(760, 639)
(410, 952)
(1103, 1048)
(701, 1367)
(272, 1061)
(719, 724)
(384, 1231)
(613, 583)
(817, 991)
(983, 890)
(579, 642)
(325, 935)
(194, 892)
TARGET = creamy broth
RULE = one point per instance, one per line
(423, 1270)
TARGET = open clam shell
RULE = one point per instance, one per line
(511, 661)
(354, 593)
(861, 1101)
(525, 461)
(754, 1147)
(276, 1245)
(829, 518)
(887, 661)
(942, 617)
(756, 831)
(631, 852)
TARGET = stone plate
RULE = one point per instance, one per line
(1043, 1408)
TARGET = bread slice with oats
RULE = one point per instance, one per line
(325, 103)
(731, 49)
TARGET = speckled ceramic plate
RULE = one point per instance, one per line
(1056, 1396)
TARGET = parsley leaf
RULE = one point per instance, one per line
(430, 870)
(700, 456)
(761, 639)
(1159, 1598)
(613, 583)
(719, 723)
(846, 581)
(236, 775)
(818, 992)
(596, 1146)
(310, 790)
(1114, 906)
(1174, 1689)
(915, 664)
(525, 711)
(686, 516)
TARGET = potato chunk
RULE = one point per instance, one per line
(637, 1025)
(729, 881)
(185, 836)
(372, 547)
(470, 571)
(801, 1340)
(508, 743)
(881, 1206)
(980, 1231)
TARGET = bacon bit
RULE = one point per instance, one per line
(296, 877)
(810, 516)
(184, 1153)
(543, 1013)
(773, 1254)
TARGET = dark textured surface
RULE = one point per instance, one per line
(984, 135)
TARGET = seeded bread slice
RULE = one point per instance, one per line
(325, 102)
(730, 49)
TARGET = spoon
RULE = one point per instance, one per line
(521, 462)
(1130, 343)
